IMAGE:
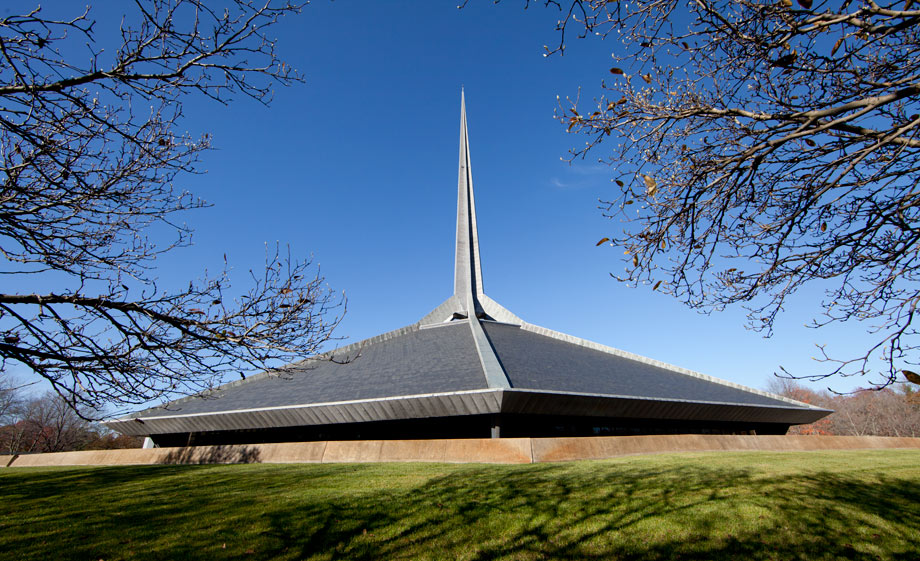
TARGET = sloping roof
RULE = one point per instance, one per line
(434, 372)
(414, 361)
(468, 356)
(540, 362)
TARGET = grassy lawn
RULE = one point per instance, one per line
(756, 505)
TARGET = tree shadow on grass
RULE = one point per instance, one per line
(666, 514)
(587, 511)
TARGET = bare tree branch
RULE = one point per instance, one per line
(89, 156)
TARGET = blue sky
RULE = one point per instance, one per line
(358, 166)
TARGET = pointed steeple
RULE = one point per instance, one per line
(468, 300)
(467, 271)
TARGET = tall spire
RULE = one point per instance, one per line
(468, 299)
(467, 272)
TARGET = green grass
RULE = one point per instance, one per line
(812, 505)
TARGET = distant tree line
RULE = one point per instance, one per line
(891, 411)
(47, 423)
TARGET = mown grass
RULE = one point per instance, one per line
(813, 505)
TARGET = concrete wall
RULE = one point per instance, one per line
(502, 451)
(563, 449)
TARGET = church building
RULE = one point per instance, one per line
(468, 369)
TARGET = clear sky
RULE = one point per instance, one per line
(359, 168)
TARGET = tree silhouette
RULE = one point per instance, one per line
(89, 153)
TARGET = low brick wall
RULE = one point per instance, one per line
(501, 451)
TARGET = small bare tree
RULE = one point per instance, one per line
(89, 152)
(762, 145)
(10, 400)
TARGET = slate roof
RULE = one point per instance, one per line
(416, 361)
(537, 362)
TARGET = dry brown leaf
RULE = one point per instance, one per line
(651, 186)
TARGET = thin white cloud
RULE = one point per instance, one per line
(580, 176)
(594, 169)
(559, 184)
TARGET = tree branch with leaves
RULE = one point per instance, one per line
(758, 147)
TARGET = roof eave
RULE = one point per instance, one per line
(463, 403)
